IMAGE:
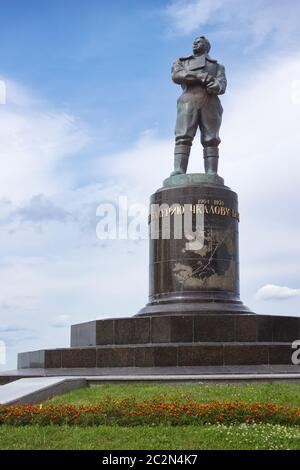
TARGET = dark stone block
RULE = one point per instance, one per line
(185, 355)
(242, 354)
(115, 357)
(32, 359)
(124, 331)
(165, 356)
(280, 354)
(144, 357)
(160, 330)
(264, 328)
(104, 357)
(182, 329)
(132, 330)
(214, 328)
(142, 330)
(83, 334)
(104, 332)
(200, 355)
(37, 359)
(285, 329)
(23, 360)
(53, 359)
(74, 358)
(124, 357)
(208, 355)
(246, 328)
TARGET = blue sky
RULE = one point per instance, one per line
(110, 63)
(90, 113)
(106, 63)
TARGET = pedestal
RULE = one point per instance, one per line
(200, 275)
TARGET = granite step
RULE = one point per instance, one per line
(160, 355)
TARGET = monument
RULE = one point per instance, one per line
(194, 316)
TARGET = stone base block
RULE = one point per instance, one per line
(186, 329)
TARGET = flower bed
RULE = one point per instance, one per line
(131, 413)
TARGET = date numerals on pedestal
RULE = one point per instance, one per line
(219, 202)
(216, 202)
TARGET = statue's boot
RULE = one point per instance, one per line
(181, 159)
(211, 159)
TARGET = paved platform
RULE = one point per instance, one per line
(36, 385)
(91, 371)
(143, 373)
(38, 389)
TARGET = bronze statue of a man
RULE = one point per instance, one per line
(202, 80)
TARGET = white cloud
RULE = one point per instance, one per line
(187, 16)
(11, 329)
(39, 208)
(60, 321)
(258, 21)
(271, 292)
(33, 140)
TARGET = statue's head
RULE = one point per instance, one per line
(201, 45)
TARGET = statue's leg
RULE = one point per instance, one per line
(186, 128)
(210, 123)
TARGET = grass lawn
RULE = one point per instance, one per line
(144, 437)
(243, 436)
(284, 394)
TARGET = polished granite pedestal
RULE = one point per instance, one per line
(194, 247)
(194, 317)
